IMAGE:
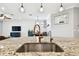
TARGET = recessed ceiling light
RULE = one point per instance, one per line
(2, 8)
(30, 14)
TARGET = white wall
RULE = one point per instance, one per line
(76, 22)
(25, 23)
(25, 26)
(63, 30)
(0, 28)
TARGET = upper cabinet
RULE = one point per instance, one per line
(60, 18)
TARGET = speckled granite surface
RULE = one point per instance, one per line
(9, 46)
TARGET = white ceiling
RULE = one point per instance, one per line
(33, 8)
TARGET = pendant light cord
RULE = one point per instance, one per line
(22, 5)
(41, 5)
(61, 5)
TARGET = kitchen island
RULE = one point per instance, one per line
(8, 47)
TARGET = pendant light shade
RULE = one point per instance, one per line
(22, 8)
(3, 9)
(41, 8)
(61, 8)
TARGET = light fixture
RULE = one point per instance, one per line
(5, 16)
(22, 8)
(61, 8)
(3, 9)
(41, 8)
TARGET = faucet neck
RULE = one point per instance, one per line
(37, 26)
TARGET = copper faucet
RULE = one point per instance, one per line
(35, 28)
(51, 40)
(38, 32)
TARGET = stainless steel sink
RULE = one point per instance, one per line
(40, 47)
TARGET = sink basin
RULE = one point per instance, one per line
(40, 47)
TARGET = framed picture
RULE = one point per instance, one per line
(61, 19)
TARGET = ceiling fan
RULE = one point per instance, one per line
(4, 15)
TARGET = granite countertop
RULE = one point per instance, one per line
(9, 46)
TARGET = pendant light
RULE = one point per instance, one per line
(41, 8)
(61, 8)
(22, 8)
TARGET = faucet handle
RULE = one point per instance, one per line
(40, 37)
(51, 40)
